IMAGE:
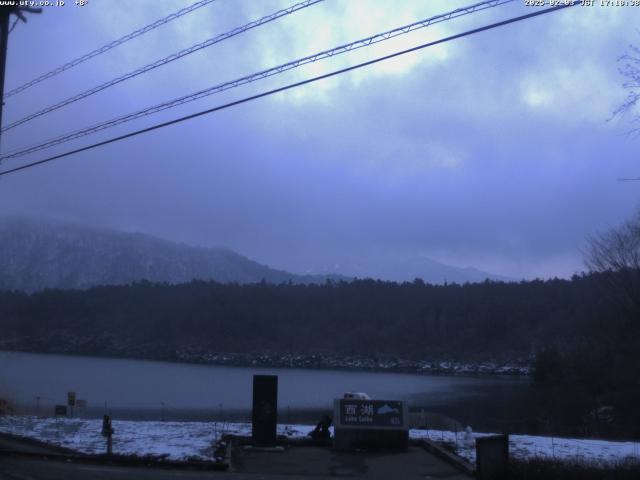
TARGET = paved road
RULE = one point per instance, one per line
(297, 462)
(317, 462)
(15, 468)
(307, 463)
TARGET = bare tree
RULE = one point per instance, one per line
(629, 68)
(616, 256)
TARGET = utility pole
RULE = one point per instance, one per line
(5, 14)
(4, 39)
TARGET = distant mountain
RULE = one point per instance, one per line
(38, 254)
(398, 268)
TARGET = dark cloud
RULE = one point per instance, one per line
(493, 152)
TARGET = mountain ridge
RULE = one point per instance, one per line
(39, 254)
(398, 268)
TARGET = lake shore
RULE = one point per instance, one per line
(519, 367)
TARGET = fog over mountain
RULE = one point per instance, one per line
(39, 254)
(405, 268)
(429, 153)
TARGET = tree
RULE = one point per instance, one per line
(615, 255)
(629, 68)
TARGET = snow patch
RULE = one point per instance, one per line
(183, 440)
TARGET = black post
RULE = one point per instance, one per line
(265, 410)
(107, 431)
(71, 401)
(492, 457)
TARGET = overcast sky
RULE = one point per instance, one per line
(493, 151)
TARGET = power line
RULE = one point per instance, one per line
(164, 61)
(260, 75)
(108, 46)
(290, 86)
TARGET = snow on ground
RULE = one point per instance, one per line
(596, 452)
(171, 440)
(182, 440)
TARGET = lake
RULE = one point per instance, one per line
(152, 389)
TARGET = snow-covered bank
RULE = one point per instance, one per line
(599, 452)
(182, 440)
(171, 440)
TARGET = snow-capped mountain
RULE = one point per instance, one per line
(405, 268)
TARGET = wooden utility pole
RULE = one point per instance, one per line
(4, 38)
(5, 15)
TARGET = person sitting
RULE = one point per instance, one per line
(321, 432)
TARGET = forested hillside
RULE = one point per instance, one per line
(581, 345)
(39, 254)
(472, 322)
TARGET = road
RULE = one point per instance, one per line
(23, 468)
(370, 467)
(26, 460)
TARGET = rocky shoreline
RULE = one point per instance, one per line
(109, 347)
(334, 362)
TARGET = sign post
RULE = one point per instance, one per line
(371, 424)
(60, 410)
(107, 431)
(71, 400)
(265, 410)
(81, 406)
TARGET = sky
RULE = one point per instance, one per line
(497, 150)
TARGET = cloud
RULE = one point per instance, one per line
(491, 151)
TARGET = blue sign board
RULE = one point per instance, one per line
(371, 413)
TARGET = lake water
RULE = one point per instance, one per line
(141, 388)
